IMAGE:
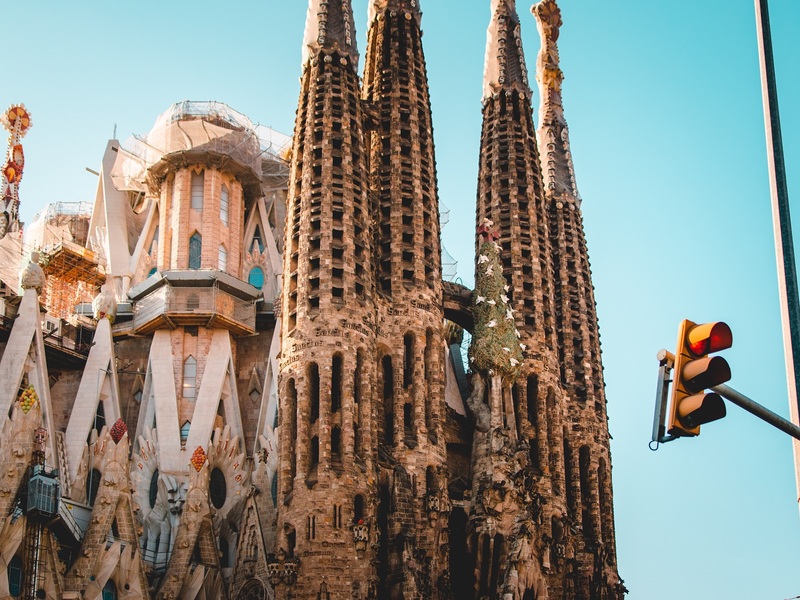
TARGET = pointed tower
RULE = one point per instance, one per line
(518, 438)
(412, 508)
(327, 325)
(511, 196)
(586, 439)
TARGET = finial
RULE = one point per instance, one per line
(379, 7)
(504, 67)
(548, 18)
(487, 232)
(17, 121)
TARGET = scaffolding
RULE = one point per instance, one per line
(74, 273)
(189, 130)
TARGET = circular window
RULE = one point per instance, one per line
(153, 488)
(253, 590)
(218, 489)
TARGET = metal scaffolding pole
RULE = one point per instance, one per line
(784, 246)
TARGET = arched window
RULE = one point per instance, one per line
(190, 378)
(185, 431)
(217, 488)
(223, 204)
(15, 577)
(336, 445)
(109, 591)
(253, 590)
(388, 399)
(223, 258)
(195, 250)
(197, 190)
(314, 452)
(224, 552)
(408, 360)
(153, 243)
(313, 391)
(92, 485)
(258, 242)
(99, 417)
(153, 489)
(358, 508)
(256, 277)
(336, 383)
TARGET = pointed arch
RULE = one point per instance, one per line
(189, 387)
(195, 250)
(198, 182)
(222, 258)
(224, 204)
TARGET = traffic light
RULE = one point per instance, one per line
(691, 405)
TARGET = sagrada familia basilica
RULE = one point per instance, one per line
(238, 373)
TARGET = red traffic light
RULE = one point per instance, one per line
(709, 337)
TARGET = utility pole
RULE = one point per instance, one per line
(784, 245)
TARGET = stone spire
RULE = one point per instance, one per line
(409, 398)
(558, 170)
(329, 24)
(403, 162)
(327, 310)
(510, 190)
(505, 62)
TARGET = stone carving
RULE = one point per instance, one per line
(283, 569)
(104, 305)
(32, 276)
(361, 536)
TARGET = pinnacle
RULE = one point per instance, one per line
(378, 7)
(330, 25)
(505, 61)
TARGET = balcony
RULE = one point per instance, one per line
(203, 298)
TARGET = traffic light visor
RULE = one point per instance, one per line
(704, 373)
(709, 337)
(701, 409)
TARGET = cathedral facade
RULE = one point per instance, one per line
(238, 373)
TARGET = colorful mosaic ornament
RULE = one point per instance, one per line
(118, 430)
(198, 458)
(17, 121)
(27, 399)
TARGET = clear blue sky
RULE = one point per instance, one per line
(664, 106)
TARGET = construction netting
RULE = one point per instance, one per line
(193, 128)
(59, 222)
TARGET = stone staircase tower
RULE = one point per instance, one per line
(410, 400)
(326, 488)
(591, 554)
(520, 453)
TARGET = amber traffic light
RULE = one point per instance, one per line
(695, 371)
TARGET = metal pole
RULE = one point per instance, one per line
(754, 408)
(784, 245)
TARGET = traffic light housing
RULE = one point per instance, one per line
(695, 371)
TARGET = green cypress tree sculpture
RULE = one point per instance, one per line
(495, 347)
